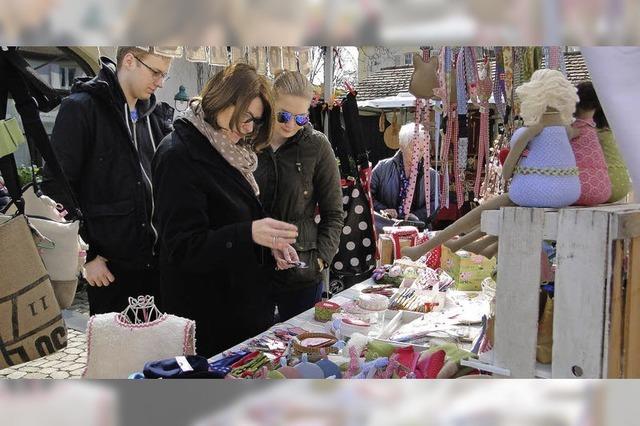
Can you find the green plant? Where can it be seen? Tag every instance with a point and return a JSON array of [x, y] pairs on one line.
[[26, 175]]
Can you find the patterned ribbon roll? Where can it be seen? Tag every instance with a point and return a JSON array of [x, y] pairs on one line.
[[445, 79]]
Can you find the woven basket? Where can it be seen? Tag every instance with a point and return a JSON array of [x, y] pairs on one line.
[[316, 351]]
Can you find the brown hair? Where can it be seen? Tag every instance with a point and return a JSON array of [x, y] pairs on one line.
[[136, 51], [237, 85], [292, 83]]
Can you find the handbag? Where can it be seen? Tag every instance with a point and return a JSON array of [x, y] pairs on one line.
[[31, 324], [62, 249]]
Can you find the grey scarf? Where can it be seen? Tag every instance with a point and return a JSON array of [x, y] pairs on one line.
[[240, 155]]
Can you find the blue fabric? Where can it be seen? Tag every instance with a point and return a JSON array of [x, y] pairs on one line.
[[170, 369]]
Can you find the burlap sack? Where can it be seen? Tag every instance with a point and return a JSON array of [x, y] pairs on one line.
[[31, 324]]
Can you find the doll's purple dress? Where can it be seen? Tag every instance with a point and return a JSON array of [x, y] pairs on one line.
[[546, 174]]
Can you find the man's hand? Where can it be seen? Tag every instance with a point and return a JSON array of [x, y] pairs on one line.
[[96, 272], [391, 213]]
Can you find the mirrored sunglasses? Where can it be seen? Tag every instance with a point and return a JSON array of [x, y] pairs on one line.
[[285, 116]]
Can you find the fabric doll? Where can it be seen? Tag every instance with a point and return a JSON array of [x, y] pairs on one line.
[[618, 173], [594, 178], [540, 161]]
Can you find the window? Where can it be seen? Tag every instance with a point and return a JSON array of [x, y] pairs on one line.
[[408, 58], [67, 74]]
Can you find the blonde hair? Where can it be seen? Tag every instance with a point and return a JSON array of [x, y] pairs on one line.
[[406, 134], [292, 83], [139, 52], [547, 89]]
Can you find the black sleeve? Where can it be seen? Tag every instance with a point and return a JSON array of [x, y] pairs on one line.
[[69, 140], [183, 222], [376, 187]]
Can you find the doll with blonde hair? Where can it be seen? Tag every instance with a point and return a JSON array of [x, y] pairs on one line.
[[540, 162]]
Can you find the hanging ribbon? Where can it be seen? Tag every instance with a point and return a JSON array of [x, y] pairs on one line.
[[453, 129], [444, 77], [501, 78], [485, 87], [420, 146]]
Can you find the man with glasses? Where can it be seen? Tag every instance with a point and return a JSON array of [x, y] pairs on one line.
[[105, 136]]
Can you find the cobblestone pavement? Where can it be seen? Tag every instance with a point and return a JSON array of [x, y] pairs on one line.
[[68, 363]]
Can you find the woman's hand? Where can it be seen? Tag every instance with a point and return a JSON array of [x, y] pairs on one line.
[[286, 258], [273, 233]]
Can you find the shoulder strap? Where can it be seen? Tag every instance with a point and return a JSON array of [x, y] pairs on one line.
[[37, 137]]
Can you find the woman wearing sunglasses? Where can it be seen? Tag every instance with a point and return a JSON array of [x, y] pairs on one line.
[[298, 173], [216, 246]]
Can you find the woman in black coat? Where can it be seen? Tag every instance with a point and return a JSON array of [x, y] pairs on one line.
[[215, 244]]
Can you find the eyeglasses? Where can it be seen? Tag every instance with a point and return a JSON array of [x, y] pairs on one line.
[[257, 122], [157, 74], [285, 116]]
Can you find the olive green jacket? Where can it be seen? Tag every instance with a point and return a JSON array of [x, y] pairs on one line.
[[300, 175]]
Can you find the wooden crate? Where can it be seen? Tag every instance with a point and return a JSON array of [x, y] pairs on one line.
[[596, 330]]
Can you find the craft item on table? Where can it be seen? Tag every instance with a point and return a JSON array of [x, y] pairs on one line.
[[248, 366], [275, 375], [385, 289], [180, 367], [369, 369], [432, 279], [358, 341], [354, 364], [429, 366], [330, 369], [378, 349], [416, 300], [381, 275], [372, 302], [222, 367], [618, 173], [595, 185], [355, 311], [121, 343], [348, 325], [467, 269], [312, 344], [324, 310], [309, 370], [289, 372], [407, 358]]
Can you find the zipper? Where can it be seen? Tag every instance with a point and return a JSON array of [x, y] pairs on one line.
[[144, 173]]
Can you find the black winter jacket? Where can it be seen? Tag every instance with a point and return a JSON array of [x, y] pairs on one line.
[[300, 175], [211, 270], [107, 159]]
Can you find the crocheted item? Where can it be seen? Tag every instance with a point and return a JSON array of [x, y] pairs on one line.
[[549, 149], [618, 173], [116, 348], [594, 177], [546, 171], [324, 310]]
